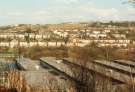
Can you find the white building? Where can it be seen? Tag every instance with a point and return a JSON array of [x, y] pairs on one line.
[[119, 36]]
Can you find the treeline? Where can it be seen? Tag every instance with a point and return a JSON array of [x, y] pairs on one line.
[[113, 23], [91, 52]]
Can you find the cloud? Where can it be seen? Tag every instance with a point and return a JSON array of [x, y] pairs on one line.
[[101, 12], [69, 10], [68, 1], [131, 10], [91, 8], [15, 14]]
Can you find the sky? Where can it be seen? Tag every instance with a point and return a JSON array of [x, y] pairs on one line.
[[58, 11]]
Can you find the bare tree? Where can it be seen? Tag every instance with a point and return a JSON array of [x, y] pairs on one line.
[[85, 78], [88, 80], [132, 2]]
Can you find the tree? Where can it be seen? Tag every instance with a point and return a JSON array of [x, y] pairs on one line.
[[66, 39], [132, 2], [9, 40], [28, 31], [91, 81], [85, 78]]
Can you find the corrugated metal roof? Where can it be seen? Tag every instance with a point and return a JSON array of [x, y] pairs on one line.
[[116, 66], [125, 62]]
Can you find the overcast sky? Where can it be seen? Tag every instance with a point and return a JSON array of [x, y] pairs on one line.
[[57, 11]]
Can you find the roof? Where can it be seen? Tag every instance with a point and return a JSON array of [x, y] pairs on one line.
[[39, 77], [125, 62], [3, 65], [109, 69], [116, 66]]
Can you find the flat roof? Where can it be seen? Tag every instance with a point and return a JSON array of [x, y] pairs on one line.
[[110, 69], [29, 64], [42, 77], [57, 64], [125, 62], [116, 66]]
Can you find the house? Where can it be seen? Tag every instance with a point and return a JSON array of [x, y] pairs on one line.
[[14, 43], [119, 36], [93, 35], [96, 32], [21, 36], [32, 35], [24, 44], [107, 31], [31, 44], [39, 36], [3, 35], [4, 44], [112, 45]]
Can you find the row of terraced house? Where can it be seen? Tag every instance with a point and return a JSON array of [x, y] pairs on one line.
[[75, 42], [67, 38]]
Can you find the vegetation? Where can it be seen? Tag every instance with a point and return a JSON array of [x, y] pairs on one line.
[[89, 80], [93, 52]]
